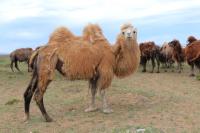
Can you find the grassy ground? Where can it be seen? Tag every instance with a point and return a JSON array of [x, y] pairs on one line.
[[160, 103]]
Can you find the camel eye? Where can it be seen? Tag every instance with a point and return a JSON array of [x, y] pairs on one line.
[[134, 32], [123, 33]]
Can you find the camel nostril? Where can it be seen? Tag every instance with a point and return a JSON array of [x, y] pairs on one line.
[[128, 34]]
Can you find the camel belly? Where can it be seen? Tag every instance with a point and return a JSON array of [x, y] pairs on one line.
[[79, 61], [78, 71], [79, 67]]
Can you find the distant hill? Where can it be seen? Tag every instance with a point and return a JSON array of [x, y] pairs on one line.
[[2, 54]]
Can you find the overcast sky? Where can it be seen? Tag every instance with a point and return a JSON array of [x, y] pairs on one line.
[[28, 23]]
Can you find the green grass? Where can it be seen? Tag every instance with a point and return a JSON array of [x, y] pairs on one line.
[[13, 101], [198, 77], [159, 103]]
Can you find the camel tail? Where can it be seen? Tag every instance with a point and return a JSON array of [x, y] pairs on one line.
[[33, 58]]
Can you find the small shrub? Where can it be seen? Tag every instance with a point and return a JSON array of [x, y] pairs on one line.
[[11, 102]]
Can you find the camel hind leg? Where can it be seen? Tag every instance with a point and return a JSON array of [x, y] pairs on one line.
[[16, 66], [28, 94], [93, 88], [39, 93], [158, 64], [191, 69], [153, 64], [143, 62]]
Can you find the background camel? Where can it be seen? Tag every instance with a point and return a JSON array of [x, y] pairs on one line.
[[191, 39], [192, 54], [167, 52], [20, 55], [178, 53], [93, 60], [149, 51]]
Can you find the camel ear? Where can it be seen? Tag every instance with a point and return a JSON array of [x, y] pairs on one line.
[[136, 30]]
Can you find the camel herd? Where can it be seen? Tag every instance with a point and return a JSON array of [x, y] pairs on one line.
[[171, 52], [91, 57]]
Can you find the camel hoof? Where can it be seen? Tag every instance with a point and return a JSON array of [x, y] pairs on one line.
[[165, 70], [158, 72], [192, 75], [26, 118], [49, 119], [30, 70], [91, 109], [107, 111], [143, 71]]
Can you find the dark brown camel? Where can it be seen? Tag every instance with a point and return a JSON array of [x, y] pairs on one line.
[[20, 55]]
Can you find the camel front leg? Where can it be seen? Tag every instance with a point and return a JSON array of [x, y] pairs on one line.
[[179, 67], [11, 66], [153, 64], [106, 108], [143, 62], [192, 69], [158, 65], [92, 106]]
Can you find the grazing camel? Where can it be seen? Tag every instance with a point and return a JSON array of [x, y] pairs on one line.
[[90, 58], [20, 55]]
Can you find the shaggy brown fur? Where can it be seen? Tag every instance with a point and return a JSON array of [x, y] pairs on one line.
[[149, 51], [32, 57], [192, 55], [93, 33], [79, 60], [167, 52], [61, 35], [20, 55], [178, 53]]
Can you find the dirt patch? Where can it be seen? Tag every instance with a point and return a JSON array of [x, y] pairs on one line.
[[167, 102]]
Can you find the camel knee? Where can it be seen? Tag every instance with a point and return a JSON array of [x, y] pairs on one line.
[[38, 96]]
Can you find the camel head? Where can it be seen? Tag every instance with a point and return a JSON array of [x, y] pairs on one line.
[[92, 32], [126, 51], [191, 39], [164, 47], [129, 32], [175, 44]]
